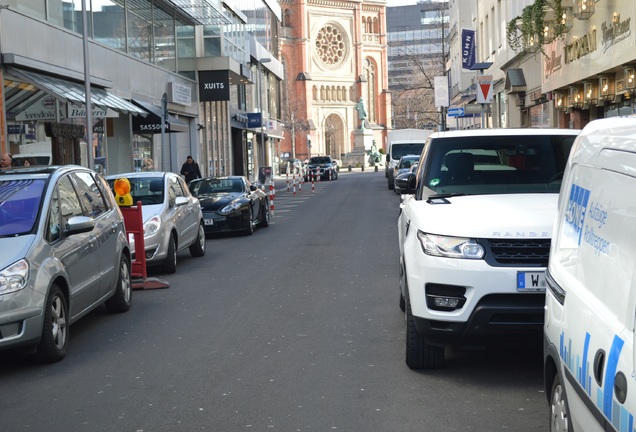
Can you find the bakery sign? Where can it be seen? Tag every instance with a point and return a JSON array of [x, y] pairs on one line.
[[44, 109]]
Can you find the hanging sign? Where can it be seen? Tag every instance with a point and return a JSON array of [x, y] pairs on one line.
[[484, 89]]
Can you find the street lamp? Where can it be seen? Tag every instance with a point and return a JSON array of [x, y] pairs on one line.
[[260, 103]]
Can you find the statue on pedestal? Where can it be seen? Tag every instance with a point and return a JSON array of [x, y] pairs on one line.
[[362, 113]]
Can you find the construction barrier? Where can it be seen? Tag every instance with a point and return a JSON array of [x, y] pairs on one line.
[[134, 224], [272, 196]]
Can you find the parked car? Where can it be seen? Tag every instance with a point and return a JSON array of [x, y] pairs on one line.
[[63, 252], [172, 217], [231, 204], [402, 180], [589, 325], [322, 167], [474, 238], [404, 165], [293, 164]]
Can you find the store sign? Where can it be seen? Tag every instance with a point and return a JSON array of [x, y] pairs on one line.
[[254, 120], [468, 49], [180, 94], [214, 86], [78, 112]]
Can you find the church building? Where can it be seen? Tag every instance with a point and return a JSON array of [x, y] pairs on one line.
[[335, 97]]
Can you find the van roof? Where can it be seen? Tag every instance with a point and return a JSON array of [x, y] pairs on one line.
[[618, 133]]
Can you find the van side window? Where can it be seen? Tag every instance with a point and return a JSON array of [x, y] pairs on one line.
[[69, 202], [90, 195]]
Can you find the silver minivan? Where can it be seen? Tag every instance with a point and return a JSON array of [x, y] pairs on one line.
[[63, 252]]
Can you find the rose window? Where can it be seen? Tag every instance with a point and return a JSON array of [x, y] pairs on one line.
[[330, 44]]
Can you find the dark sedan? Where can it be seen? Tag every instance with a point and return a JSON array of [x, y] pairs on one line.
[[231, 204]]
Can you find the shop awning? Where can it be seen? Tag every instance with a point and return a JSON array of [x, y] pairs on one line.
[[152, 122], [515, 81], [73, 92]]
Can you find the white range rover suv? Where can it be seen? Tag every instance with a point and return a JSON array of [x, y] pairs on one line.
[[474, 235]]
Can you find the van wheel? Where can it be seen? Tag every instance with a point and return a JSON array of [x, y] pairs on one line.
[[390, 183], [419, 354], [54, 341], [122, 299], [559, 415]]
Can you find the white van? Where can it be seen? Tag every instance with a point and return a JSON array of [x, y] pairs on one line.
[[590, 314], [402, 142]]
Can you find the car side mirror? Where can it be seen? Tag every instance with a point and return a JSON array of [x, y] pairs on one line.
[[388, 158], [411, 183], [79, 224]]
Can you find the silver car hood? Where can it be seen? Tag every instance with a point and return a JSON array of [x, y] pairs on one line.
[[14, 249]]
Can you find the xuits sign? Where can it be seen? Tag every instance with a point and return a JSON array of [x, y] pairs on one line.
[[214, 86]]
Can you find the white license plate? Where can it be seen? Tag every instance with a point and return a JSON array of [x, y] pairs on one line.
[[209, 221], [531, 281]]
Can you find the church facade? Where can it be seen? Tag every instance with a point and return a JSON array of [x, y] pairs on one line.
[[335, 96]]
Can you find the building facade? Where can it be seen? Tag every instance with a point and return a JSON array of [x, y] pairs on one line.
[[418, 50], [334, 57], [564, 79], [153, 100]]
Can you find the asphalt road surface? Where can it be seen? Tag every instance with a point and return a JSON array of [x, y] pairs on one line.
[[295, 328]]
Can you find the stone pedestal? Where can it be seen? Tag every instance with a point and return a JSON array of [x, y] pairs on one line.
[[362, 142]]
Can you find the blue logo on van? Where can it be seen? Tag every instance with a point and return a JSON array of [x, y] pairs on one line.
[[575, 214]]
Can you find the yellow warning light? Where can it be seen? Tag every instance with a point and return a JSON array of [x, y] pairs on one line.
[[122, 192]]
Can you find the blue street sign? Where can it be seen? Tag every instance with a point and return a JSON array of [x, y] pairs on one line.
[[455, 112]]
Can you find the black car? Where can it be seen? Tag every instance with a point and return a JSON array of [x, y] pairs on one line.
[[231, 203], [323, 167]]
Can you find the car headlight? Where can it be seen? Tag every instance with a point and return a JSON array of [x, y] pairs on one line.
[[450, 247], [14, 277], [152, 226], [231, 207]]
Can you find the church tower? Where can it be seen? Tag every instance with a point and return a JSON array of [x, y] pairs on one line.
[[334, 52]]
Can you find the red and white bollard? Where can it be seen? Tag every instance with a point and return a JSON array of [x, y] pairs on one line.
[[272, 196], [287, 179]]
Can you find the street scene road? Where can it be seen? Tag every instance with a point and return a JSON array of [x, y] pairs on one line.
[[294, 328]]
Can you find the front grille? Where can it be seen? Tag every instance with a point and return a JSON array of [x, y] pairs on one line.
[[517, 252]]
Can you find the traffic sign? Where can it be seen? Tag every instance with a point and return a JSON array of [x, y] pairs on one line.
[[456, 112], [484, 89]]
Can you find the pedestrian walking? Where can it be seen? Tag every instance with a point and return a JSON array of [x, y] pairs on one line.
[[190, 170]]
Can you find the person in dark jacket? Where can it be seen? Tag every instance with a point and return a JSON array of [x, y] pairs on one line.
[[190, 170]]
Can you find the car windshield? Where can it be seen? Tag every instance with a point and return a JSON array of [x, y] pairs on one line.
[[319, 160], [497, 164], [217, 185], [148, 190], [19, 205], [407, 162]]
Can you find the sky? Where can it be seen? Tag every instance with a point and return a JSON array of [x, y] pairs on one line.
[[400, 2]]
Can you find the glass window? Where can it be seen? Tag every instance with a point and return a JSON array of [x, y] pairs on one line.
[[90, 195], [109, 22], [165, 52], [139, 14], [69, 202]]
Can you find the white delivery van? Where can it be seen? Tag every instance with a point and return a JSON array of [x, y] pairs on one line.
[[590, 318], [402, 142]]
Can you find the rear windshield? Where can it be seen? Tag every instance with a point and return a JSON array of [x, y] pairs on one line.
[[496, 164], [399, 150]]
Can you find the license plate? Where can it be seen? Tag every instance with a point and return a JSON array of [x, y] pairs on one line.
[[531, 281], [209, 221]]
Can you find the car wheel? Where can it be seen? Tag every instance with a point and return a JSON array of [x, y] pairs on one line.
[[170, 263], [390, 183], [54, 341], [249, 229], [334, 175], [559, 415], [265, 215], [197, 249], [402, 282], [419, 354], [122, 299]]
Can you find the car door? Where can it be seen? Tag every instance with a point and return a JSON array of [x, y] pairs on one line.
[[186, 216], [76, 252], [107, 227]]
